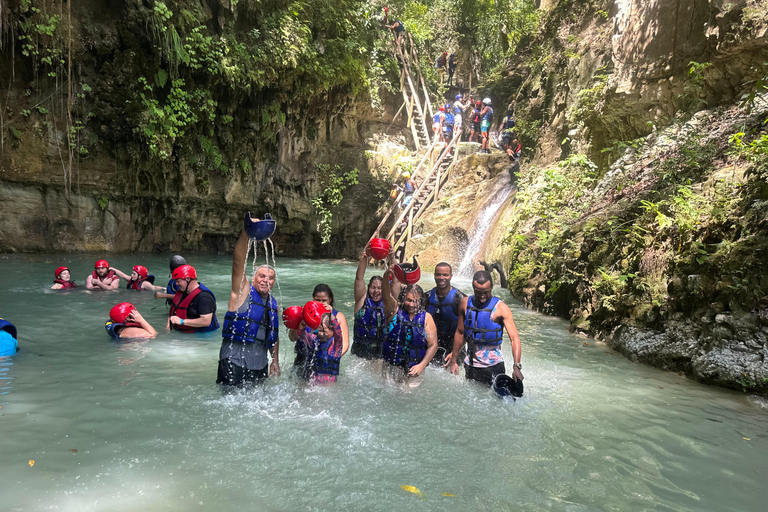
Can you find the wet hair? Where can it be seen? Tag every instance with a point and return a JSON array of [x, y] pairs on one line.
[[445, 264], [416, 290], [267, 267], [482, 277], [370, 282], [324, 288]]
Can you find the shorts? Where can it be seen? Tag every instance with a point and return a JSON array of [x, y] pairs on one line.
[[484, 125], [473, 127], [483, 375], [366, 351], [232, 375]]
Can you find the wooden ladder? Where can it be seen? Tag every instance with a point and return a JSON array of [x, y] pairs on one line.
[[419, 115]]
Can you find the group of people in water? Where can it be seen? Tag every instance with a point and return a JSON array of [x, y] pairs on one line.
[[398, 327]]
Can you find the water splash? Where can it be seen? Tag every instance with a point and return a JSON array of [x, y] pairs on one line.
[[483, 223]]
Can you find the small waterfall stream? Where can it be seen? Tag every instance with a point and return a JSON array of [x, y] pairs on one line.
[[501, 191]]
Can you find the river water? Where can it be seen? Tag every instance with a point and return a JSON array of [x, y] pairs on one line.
[[142, 426]]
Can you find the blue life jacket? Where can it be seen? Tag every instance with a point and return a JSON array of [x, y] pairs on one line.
[[254, 325], [509, 124], [172, 288], [449, 120], [369, 329], [436, 119], [136, 285], [446, 320], [488, 115], [457, 111], [406, 344], [113, 328], [478, 327], [317, 359], [8, 327]]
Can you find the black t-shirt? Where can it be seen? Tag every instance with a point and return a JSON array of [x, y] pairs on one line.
[[203, 304]]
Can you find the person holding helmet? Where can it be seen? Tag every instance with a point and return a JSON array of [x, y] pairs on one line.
[[444, 301], [140, 279], [62, 279], [194, 306], [125, 321], [319, 344], [102, 278], [251, 324], [482, 321], [486, 116], [8, 338], [411, 337], [171, 288]]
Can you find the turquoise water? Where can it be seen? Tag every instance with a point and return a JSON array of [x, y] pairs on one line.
[[142, 426]]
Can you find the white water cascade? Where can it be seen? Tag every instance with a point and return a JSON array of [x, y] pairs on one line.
[[501, 191]]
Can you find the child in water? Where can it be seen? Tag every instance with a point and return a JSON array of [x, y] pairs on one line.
[[318, 352]]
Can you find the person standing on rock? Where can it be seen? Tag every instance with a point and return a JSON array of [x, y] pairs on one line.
[[102, 278], [458, 114], [251, 325], [444, 301], [486, 117], [474, 122], [481, 324]]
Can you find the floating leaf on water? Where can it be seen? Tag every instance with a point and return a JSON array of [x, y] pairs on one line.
[[73, 450], [449, 494], [746, 438], [586, 344], [414, 490], [31, 462]]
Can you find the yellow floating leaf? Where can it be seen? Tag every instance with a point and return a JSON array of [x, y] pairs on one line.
[[746, 439], [414, 490], [449, 494], [31, 463]]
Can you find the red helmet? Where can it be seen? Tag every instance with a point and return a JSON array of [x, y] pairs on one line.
[[386, 9], [59, 271], [101, 263], [293, 316], [184, 272], [141, 270], [120, 312], [379, 248], [313, 313], [442, 109], [408, 273]]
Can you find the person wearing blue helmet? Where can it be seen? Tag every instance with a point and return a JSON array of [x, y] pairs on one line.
[[448, 124], [458, 114]]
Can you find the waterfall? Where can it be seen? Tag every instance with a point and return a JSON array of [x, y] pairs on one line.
[[501, 191]]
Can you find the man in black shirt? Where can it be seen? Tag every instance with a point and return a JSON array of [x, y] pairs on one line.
[[194, 306]]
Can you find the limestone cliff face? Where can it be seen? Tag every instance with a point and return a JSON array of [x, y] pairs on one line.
[[261, 152], [635, 217]]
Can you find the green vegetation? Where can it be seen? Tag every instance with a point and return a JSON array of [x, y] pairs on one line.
[[333, 182]]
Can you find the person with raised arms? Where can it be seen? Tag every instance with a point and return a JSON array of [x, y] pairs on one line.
[[368, 329], [194, 306], [444, 301], [102, 278], [319, 343], [482, 321], [140, 279], [125, 321], [251, 324], [63, 279], [411, 339]]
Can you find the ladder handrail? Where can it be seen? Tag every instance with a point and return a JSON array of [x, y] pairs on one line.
[[407, 72], [400, 195], [425, 204], [421, 77], [418, 191]]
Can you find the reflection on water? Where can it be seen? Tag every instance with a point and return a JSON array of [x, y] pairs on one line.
[[142, 426]]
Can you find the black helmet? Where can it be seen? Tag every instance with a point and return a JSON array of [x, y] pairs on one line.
[[177, 261]]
